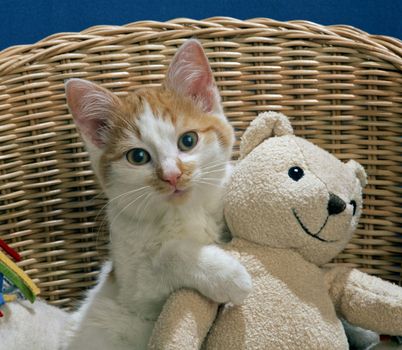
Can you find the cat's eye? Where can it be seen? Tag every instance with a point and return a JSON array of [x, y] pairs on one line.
[[138, 156], [295, 173], [187, 141]]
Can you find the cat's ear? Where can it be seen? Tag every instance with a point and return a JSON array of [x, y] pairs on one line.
[[190, 75], [92, 107]]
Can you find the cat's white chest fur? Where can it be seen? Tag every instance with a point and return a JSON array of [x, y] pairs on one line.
[[143, 285], [149, 261]]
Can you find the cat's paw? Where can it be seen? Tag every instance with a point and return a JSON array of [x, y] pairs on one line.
[[228, 281]]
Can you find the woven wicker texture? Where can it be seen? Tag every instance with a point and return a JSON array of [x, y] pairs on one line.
[[341, 87]]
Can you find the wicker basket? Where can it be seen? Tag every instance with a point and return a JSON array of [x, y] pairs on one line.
[[341, 87]]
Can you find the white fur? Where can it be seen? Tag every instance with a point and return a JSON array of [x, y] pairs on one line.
[[158, 246], [37, 326]]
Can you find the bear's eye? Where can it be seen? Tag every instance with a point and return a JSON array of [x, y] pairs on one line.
[[295, 173], [353, 203]]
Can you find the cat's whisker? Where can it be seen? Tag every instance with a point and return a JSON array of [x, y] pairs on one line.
[[97, 215], [98, 195], [145, 206], [220, 164], [202, 178], [117, 197], [127, 206], [140, 205], [104, 220], [216, 162], [130, 192], [125, 194], [207, 183], [138, 210], [221, 161], [213, 171]]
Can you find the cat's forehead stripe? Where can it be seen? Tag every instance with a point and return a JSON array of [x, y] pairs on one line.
[[180, 112], [162, 104]]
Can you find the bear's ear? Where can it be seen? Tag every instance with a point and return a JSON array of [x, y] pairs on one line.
[[359, 171], [266, 125]]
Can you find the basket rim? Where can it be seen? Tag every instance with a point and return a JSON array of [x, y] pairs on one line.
[[386, 48]]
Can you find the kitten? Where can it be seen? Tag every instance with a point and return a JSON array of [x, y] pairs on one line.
[[162, 158]]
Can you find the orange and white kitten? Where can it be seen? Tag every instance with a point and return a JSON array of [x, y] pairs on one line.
[[162, 157]]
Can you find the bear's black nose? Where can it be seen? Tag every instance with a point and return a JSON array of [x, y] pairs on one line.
[[335, 204]]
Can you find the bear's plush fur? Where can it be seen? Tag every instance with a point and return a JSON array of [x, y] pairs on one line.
[[291, 207]]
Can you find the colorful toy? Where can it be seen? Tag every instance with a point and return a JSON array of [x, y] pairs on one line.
[[14, 282]]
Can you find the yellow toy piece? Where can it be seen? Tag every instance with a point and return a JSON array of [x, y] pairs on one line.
[[17, 277], [9, 298]]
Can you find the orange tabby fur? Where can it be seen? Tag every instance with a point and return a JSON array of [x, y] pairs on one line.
[[164, 103]]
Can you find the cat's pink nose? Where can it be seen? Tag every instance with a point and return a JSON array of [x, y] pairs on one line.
[[172, 177]]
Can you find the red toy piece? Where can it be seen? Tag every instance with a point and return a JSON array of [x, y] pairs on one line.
[[10, 251]]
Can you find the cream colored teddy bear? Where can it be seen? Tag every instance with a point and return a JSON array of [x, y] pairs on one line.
[[291, 207]]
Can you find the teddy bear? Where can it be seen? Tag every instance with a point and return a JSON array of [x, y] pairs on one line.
[[291, 207]]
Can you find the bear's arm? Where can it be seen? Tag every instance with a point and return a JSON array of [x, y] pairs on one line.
[[184, 322], [365, 300]]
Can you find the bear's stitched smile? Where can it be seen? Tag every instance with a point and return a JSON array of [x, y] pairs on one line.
[[305, 229]]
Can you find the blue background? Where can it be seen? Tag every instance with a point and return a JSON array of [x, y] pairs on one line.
[[27, 21]]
